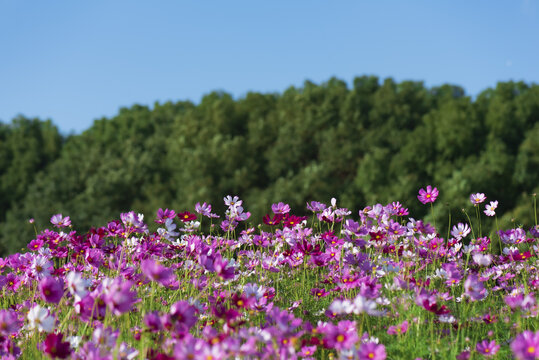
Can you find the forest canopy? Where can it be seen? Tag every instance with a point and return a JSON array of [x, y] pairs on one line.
[[371, 142]]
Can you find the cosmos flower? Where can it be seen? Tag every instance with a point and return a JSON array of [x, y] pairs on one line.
[[9, 324], [55, 347], [40, 318], [51, 289], [526, 345], [119, 297], [398, 329], [59, 221], [489, 208], [428, 196], [187, 216], [162, 215], [460, 231], [372, 351], [157, 272], [76, 284], [280, 208], [205, 210], [477, 199], [487, 348]]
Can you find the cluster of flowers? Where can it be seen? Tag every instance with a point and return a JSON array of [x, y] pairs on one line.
[[179, 293]]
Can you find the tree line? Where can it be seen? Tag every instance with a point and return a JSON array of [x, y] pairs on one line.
[[375, 141]]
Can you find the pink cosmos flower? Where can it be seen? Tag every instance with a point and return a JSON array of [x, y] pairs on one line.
[[157, 272], [119, 297], [487, 348], [372, 351], [428, 196], [205, 210], [162, 215], [9, 324], [59, 221], [399, 329], [280, 208], [526, 345], [489, 209], [477, 199]]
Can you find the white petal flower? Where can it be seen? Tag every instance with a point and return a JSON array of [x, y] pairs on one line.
[[40, 318]]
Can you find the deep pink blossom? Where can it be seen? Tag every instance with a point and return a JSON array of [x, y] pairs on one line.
[[428, 196], [487, 348], [55, 347], [51, 289]]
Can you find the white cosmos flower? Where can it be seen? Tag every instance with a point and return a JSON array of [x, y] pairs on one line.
[[482, 259], [77, 284], [338, 307], [364, 305], [40, 318]]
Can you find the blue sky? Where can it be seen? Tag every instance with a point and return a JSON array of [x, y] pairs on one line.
[[74, 61]]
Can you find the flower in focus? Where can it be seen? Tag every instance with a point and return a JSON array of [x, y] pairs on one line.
[[59, 221], [187, 216], [478, 198], [487, 348], [460, 231], [232, 201], [280, 208], [55, 347], [272, 221], [162, 215], [428, 196], [205, 210], [489, 208], [526, 345]]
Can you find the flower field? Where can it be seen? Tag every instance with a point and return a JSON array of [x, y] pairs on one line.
[[373, 284]]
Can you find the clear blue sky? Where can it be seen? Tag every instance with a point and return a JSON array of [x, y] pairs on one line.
[[76, 61]]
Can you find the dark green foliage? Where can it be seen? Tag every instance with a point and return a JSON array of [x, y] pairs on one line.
[[378, 141]]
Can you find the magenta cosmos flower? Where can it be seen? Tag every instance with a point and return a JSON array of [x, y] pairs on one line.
[[487, 348], [9, 323], [55, 347], [526, 346], [372, 351], [428, 196], [51, 290], [157, 272]]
